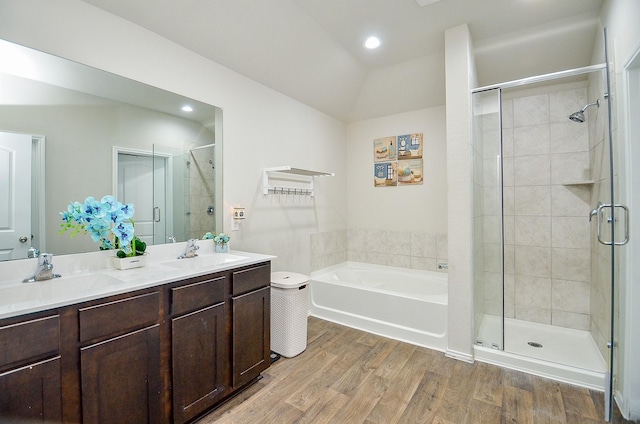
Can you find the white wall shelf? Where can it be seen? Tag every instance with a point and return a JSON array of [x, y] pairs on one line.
[[289, 180]]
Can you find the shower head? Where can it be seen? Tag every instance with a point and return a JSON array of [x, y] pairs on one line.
[[579, 115]]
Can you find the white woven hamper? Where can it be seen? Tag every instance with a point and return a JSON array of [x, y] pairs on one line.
[[289, 308]]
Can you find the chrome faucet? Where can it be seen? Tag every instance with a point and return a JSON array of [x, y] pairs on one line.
[[171, 239], [190, 250], [33, 252], [44, 271]]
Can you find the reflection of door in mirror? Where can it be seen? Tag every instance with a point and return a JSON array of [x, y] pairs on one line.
[[142, 182], [15, 195]]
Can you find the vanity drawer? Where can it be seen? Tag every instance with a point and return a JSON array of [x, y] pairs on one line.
[[112, 318], [197, 295], [251, 279], [28, 340]]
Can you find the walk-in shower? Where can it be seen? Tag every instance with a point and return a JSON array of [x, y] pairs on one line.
[[200, 190], [542, 276]]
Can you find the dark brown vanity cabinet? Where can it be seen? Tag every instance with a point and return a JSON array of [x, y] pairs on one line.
[[251, 300], [165, 354], [120, 361], [199, 346], [30, 382]]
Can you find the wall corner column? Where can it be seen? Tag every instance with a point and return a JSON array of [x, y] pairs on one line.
[[460, 79]]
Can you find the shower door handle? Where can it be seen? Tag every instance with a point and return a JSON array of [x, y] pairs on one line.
[[610, 221]]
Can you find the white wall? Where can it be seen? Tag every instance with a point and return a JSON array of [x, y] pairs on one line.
[[402, 208], [404, 87], [261, 127]]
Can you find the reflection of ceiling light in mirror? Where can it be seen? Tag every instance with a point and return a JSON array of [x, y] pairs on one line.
[[372, 43], [16, 62], [426, 2], [187, 108]]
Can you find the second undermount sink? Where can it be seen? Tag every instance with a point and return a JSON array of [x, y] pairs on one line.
[[205, 261]]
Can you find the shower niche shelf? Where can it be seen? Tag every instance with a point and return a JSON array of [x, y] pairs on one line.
[[289, 180], [575, 183]]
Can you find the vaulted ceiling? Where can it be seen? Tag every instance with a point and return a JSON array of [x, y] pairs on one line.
[[311, 50]]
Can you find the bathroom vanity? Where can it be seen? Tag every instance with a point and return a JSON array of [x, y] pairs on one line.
[[159, 344]]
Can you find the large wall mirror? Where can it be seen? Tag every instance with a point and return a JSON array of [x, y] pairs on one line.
[[69, 131]]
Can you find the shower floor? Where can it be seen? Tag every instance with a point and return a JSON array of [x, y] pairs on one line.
[[564, 346]]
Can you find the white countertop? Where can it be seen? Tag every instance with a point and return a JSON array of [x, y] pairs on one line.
[[90, 276]]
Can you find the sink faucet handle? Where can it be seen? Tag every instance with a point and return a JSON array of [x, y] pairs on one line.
[[190, 249], [45, 260], [172, 239], [33, 252]]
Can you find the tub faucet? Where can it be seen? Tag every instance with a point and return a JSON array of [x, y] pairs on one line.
[[44, 271], [190, 250]]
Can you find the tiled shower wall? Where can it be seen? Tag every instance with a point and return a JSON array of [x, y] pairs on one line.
[[546, 205], [406, 249], [600, 254], [200, 191]]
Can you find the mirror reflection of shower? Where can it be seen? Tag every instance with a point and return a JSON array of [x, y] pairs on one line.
[[200, 181], [579, 115]]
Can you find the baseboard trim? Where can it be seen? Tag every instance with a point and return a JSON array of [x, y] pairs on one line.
[[460, 356]]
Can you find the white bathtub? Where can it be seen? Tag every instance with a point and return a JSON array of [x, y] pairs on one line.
[[402, 304]]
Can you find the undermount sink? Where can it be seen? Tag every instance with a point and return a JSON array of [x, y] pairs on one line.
[[204, 261], [55, 289]]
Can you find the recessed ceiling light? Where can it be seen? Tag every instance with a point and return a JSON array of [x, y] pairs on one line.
[[426, 2], [187, 108], [372, 43]]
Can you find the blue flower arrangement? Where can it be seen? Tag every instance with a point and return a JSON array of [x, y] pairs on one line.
[[221, 238], [107, 221]]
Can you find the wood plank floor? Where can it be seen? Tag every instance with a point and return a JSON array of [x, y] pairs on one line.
[[349, 376]]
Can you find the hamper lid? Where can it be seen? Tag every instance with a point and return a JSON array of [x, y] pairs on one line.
[[288, 280]]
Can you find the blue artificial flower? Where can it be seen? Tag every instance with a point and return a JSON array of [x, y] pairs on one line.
[[110, 202], [127, 210], [107, 221], [115, 217], [124, 231], [66, 216], [75, 209], [106, 244], [98, 229]]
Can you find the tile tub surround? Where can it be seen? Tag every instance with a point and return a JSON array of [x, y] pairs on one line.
[[404, 249], [328, 248]]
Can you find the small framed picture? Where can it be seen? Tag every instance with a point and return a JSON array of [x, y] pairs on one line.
[[410, 172], [385, 174], [410, 146], [384, 149]]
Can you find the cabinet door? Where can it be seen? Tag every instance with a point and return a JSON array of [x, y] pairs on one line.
[[120, 379], [200, 363], [31, 394], [251, 335]]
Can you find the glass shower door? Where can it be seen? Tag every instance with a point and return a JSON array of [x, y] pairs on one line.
[[488, 220]]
